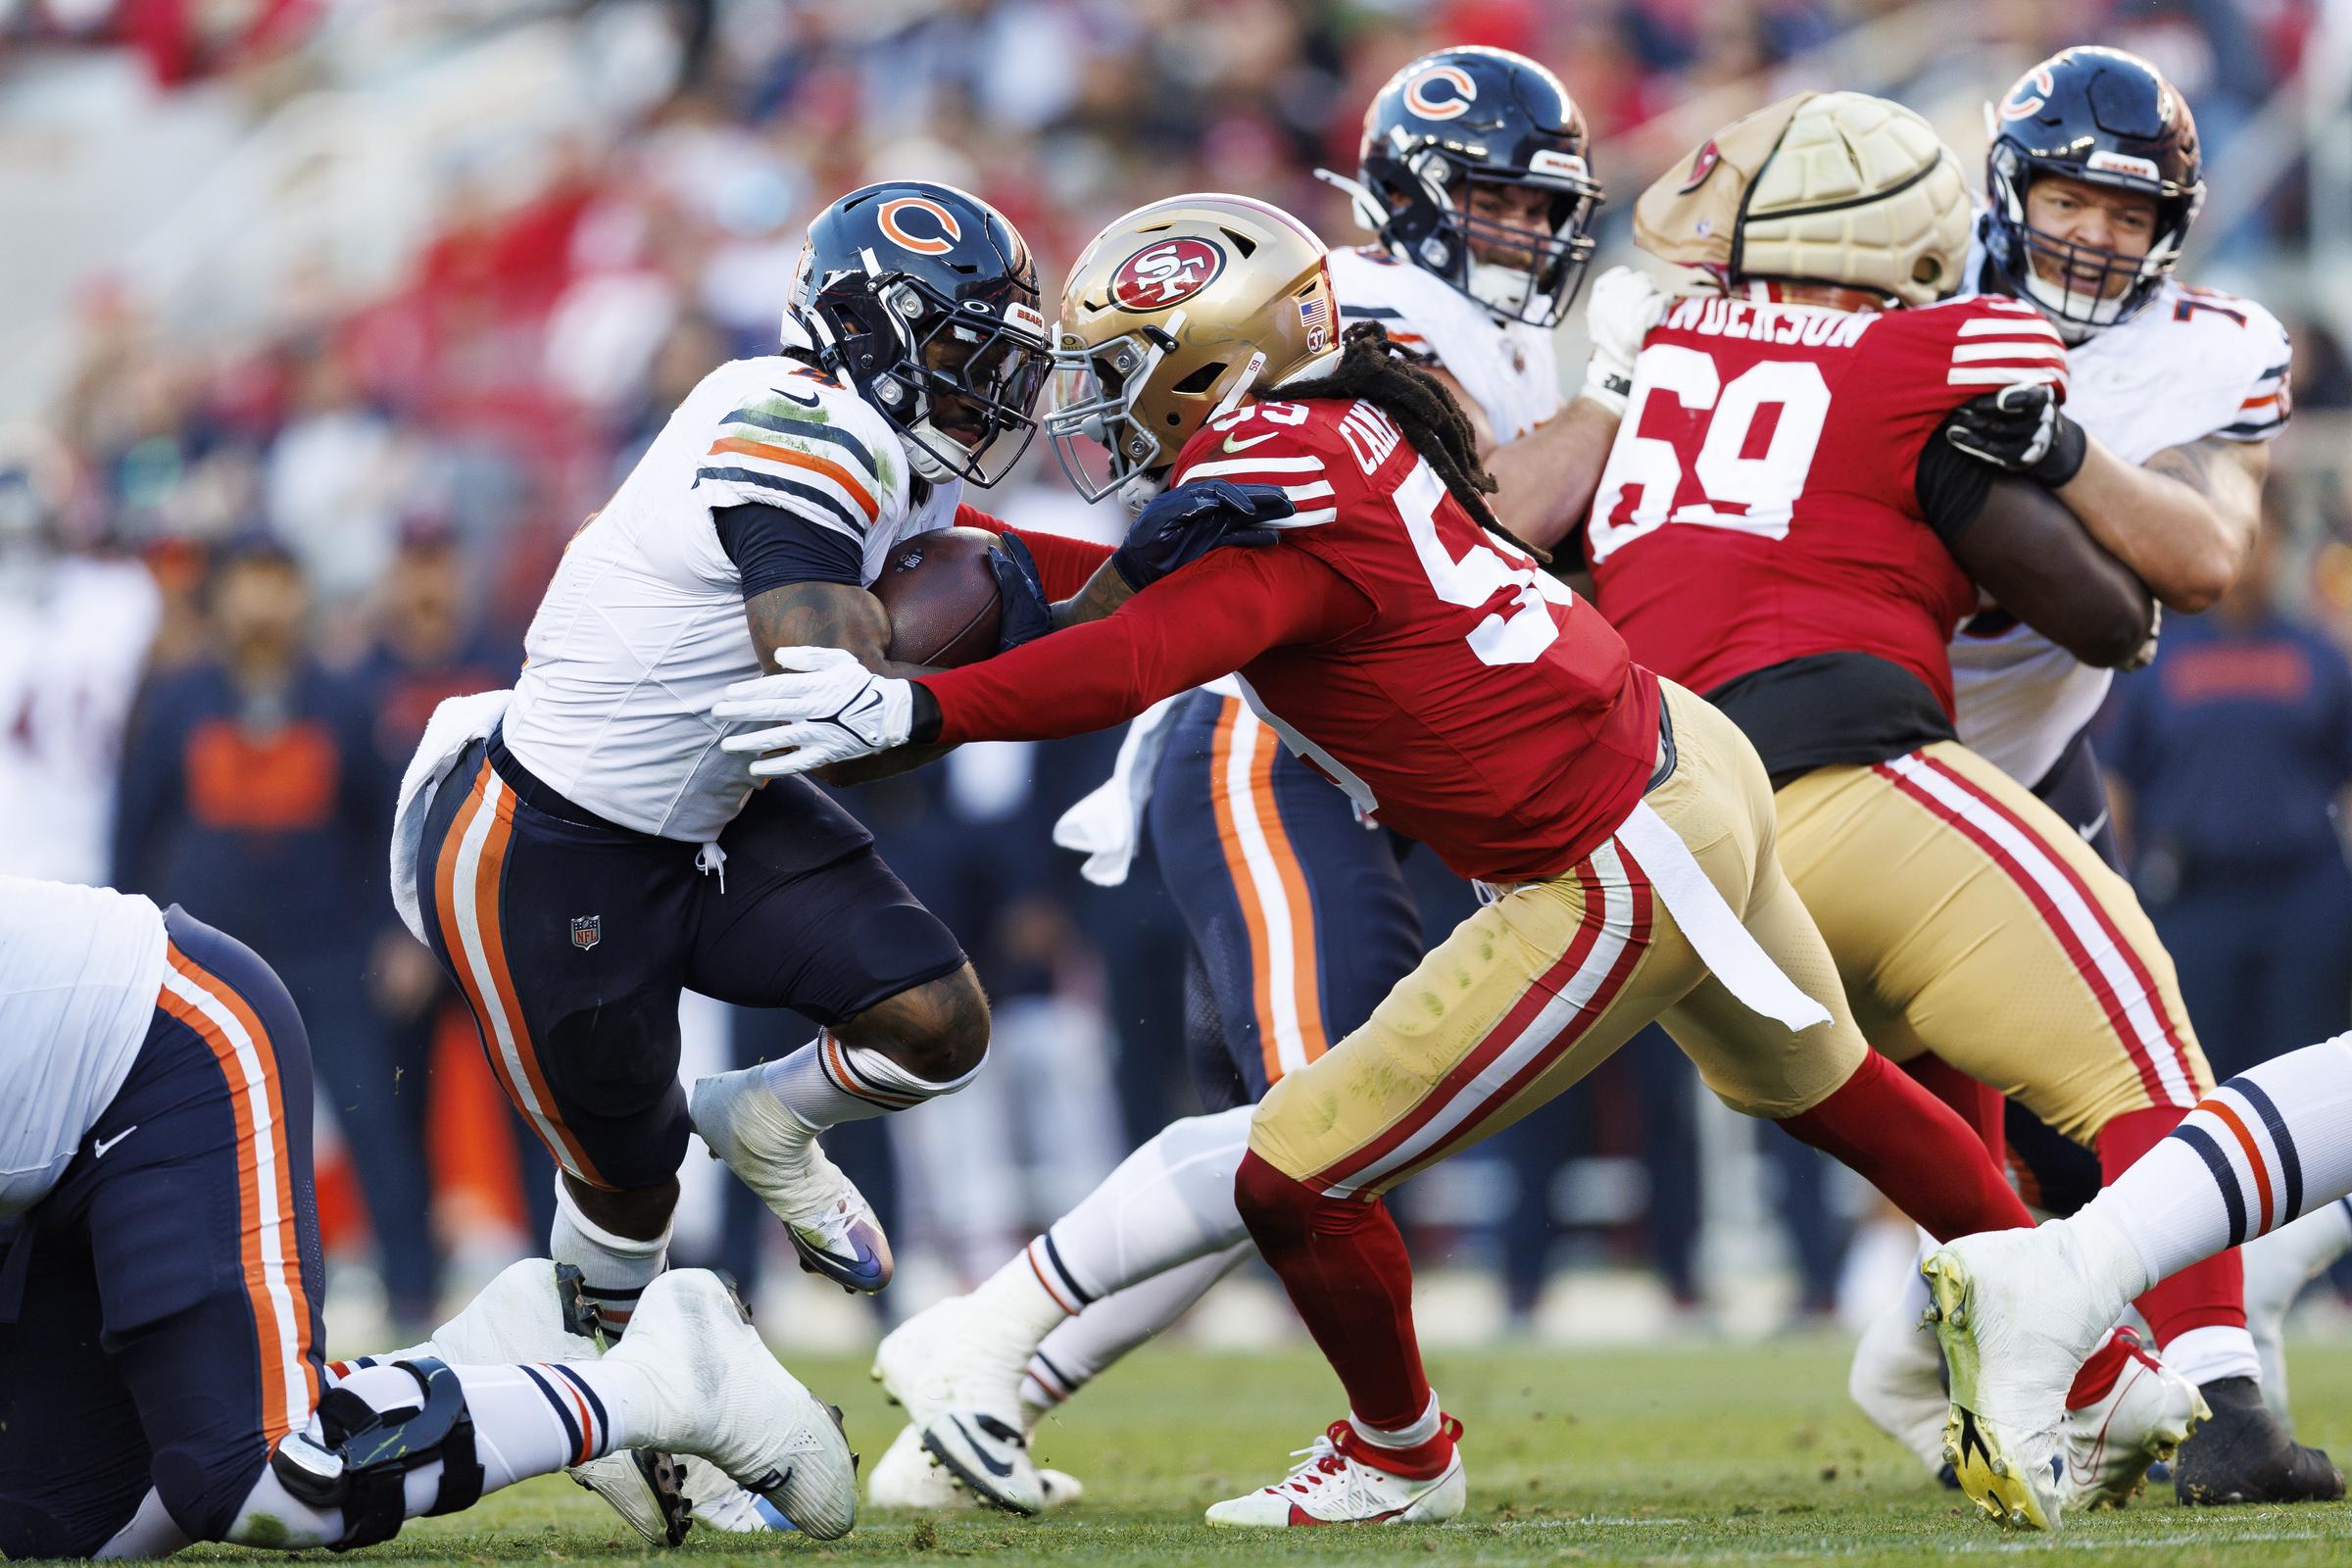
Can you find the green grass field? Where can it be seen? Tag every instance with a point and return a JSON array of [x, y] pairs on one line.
[[1713, 1454]]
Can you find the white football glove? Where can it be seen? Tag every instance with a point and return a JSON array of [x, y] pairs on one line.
[[1619, 312], [823, 706]]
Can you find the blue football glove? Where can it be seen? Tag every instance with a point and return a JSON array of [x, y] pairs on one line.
[[1026, 613], [1184, 523]]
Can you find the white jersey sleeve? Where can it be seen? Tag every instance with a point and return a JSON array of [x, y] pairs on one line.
[[806, 446], [2192, 362], [80, 972], [643, 626], [1509, 370]]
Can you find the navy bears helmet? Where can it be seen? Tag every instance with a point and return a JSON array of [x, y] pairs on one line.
[[2106, 118], [1458, 121], [924, 298]]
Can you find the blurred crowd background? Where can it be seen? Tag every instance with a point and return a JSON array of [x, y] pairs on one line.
[[334, 318]]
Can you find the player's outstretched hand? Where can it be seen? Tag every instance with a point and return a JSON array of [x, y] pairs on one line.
[[1025, 611], [821, 706], [1183, 525], [1624, 304], [2020, 430]]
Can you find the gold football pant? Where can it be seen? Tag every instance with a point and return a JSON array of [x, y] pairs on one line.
[[1535, 989], [1969, 919]]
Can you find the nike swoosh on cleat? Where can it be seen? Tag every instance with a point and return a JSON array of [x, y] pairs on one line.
[[995, 1467]]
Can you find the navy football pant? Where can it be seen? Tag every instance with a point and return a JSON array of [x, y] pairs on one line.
[[159, 1309], [571, 938], [1299, 918]]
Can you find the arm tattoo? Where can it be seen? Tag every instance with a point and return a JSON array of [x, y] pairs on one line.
[[823, 614], [1105, 591], [2191, 464]]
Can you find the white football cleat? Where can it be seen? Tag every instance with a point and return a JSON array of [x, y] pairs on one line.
[[533, 1312], [775, 1154], [1897, 1380], [958, 1370], [908, 1476], [716, 1389], [2018, 1312], [1334, 1485], [2111, 1442]]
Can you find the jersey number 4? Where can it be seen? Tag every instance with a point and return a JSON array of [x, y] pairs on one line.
[[1729, 483]]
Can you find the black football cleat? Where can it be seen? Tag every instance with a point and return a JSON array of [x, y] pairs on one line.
[[2242, 1454]]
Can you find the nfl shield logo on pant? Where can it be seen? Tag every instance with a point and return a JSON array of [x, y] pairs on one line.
[[587, 930]]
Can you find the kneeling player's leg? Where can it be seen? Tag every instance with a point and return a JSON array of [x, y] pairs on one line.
[[803, 913], [419, 1436], [72, 1458]]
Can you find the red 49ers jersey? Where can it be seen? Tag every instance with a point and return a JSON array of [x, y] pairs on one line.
[[1761, 503], [1482, 708]]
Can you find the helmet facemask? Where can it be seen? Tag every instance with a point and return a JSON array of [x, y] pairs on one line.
[[956, 381], [2095, 287], [1429, 223]]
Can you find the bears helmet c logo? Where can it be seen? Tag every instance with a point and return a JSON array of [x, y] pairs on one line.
[[1418, 98], [926, 215]]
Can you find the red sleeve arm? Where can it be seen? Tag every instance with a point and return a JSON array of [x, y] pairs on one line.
[[1063, 564], [1208, 619]]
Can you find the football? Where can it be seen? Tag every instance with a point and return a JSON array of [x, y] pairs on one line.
[[941, 598]]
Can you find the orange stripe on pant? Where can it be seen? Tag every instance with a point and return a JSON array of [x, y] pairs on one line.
[[1306, 990], [249, 1067], [1237, 868], [490, 989]]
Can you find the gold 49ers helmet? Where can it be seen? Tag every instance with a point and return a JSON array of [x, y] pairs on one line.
[[1170, 317], [1825, 187]]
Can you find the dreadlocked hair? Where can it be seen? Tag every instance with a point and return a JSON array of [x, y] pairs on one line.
[[1380, 372]]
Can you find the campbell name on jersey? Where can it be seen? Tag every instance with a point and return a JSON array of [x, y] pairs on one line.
[[643, 626], [1508, 368], [2191, 363]]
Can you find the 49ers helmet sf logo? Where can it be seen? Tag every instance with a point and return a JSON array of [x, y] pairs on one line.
[[1162, 275]]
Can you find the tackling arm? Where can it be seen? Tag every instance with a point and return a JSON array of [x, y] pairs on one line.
[[1545, 478], [2030, 554], [2185, 522]]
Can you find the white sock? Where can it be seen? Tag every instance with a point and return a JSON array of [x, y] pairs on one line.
[[1167, 1204], [528, 1420], [2267, 1146], [825, 1082], [1421, 1431], [614, 1269], [1085, 1346], [151, 1533], [2216, 1351]]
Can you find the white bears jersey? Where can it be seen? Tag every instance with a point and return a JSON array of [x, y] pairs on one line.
[[71, 647], [643, 626], [1510, 369], [80, 972], [2189, 363]]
